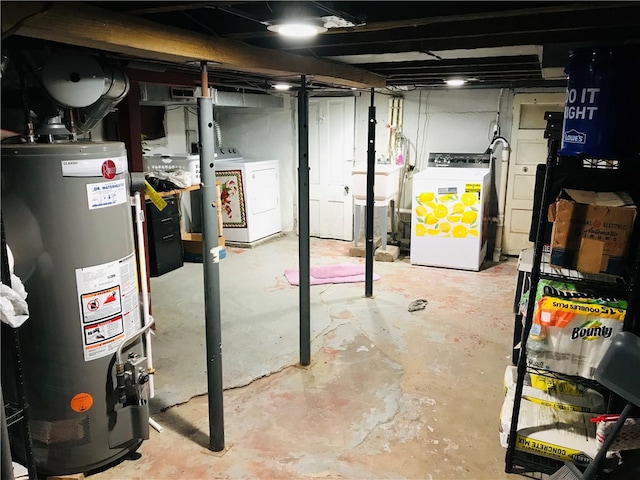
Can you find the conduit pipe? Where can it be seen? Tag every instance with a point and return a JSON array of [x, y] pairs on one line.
[[502, 193]]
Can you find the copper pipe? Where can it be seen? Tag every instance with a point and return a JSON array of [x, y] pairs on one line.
[[204, 80]]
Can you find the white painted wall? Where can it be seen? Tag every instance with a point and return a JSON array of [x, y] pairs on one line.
[[363, 102], [449, 121], [267, 134], [454, 120], [174, 127]]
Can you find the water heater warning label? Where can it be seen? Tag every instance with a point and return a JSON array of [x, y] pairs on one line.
[[81, 402], [108, 303], [101, 304]]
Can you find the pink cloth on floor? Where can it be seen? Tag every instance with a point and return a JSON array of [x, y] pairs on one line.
[[342, 273]]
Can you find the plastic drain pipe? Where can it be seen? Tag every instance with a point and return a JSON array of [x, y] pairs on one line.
[[142, 265], [502, 194]]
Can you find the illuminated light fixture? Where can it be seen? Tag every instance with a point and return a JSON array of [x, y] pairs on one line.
[[455, 82], [281, 86], [298, 28]]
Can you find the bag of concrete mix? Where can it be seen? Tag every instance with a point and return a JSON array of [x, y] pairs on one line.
[[563, 435], [554, 392]]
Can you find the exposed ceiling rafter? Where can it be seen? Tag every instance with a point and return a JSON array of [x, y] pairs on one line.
[[91, 27]]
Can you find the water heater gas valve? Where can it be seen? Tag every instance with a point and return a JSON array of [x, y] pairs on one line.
[[132, 378]]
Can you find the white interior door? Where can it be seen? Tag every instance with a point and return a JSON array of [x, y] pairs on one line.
[[528, 149], [331, 150]]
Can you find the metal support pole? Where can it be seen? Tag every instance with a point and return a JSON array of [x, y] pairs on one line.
[[371, 172], [210, 261], [303, 223]]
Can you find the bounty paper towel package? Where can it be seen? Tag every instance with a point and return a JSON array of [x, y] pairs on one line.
[[571, 332]]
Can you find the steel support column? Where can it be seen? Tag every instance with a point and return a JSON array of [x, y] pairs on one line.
[[303, 222]]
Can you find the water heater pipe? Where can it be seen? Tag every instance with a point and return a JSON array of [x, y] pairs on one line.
[[502, 194], [130, 339], [116, 88], [76, 80], [142, 265]]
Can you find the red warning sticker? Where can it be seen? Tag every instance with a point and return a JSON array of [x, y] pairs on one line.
[[81, 402], [108, 169], [101, 304]]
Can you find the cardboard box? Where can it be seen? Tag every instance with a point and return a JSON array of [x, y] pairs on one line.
[[591, 230], [192, 243]]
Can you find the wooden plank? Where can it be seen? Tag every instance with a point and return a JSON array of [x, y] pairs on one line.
[[73, 476], [83, 25], [179, 191]]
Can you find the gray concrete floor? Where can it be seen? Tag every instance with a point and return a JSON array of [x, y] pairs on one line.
[[389, 393]]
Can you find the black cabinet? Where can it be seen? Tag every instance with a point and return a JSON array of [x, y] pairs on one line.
[[165, 242]]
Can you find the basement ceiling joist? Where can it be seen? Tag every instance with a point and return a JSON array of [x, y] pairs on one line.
[[86, 26]]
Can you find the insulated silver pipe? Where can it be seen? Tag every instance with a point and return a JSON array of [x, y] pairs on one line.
[[116, 88]]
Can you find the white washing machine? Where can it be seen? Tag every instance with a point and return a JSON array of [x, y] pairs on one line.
[[450, 211], [250, 198]]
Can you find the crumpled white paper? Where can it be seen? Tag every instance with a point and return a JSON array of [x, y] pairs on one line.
[[14, 310]]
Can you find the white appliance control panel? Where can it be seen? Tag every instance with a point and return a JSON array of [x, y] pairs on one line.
[[459, 160]]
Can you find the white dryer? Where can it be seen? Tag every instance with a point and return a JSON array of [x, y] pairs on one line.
[[250, 198], [450, 211]]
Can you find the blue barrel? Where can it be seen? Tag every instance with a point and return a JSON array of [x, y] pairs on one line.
[[603, 103]]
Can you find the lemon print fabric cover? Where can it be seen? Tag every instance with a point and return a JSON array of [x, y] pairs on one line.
[[449, 215]]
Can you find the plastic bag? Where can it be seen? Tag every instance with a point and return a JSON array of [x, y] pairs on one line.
[[169, 179]]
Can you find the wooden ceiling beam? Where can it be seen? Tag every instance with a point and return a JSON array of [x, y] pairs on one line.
[[86, 26]]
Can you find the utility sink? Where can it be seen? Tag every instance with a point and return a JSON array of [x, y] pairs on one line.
[[386, 181]]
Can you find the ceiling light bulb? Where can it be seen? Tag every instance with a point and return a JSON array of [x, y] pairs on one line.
[[297, 29], [455, 82], [281, 86]]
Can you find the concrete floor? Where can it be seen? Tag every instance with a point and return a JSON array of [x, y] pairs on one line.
[[389, 393]]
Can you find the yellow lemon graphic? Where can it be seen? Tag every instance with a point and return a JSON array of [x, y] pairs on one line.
[[441, 211], [459, 231], [421, 230], [431, 219], [473, 232], [431, 204], [469, 216], [426, 197], [421, 211], [454, 218], [446, 197], [445, 227], [433, 231], [469, 198], [458, 207]]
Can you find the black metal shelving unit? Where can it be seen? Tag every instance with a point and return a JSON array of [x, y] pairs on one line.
[[622, 287], [14, 395]]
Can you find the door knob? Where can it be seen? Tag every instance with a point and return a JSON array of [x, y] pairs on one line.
[[525, 169]]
